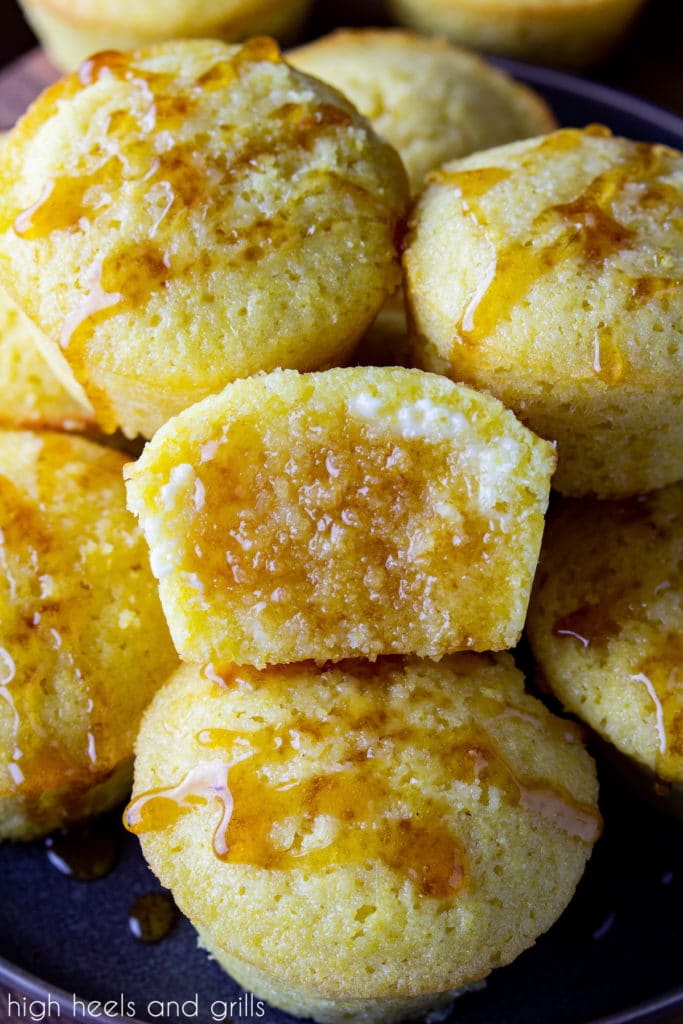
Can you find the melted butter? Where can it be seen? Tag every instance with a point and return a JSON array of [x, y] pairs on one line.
[[71, 202], [661, 673], [565, 141], [219, 76], [646, 288], [585, 228], [186, 173], [589, 225], [279, 811]]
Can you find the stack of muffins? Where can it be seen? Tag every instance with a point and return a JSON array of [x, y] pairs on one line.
[[345, 785]]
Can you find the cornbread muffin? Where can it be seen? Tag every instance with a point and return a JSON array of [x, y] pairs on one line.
[[352, 512], [567, 33], [32, 396], [550, 273], [606, 622], [431, 100], [71, 30], [83, 641], [356, 842], [189, 214]]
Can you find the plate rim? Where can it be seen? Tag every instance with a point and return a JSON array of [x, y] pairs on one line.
[[540, 77]]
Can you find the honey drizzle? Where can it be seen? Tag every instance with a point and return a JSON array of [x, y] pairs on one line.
[[278, 816], [152, 916], [661, 673], [178, 179], [588, 231], [85, 852]]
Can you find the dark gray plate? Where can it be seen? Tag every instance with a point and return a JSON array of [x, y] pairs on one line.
[[615, 957]]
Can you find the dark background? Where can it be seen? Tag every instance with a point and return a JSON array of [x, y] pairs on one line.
[[649, 64], [625, 922]]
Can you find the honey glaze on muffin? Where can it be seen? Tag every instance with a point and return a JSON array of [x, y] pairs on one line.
[[584, 228], [259, 788], [606, 622], [194, 226], [316, 822], [77, 606], [559, 292]]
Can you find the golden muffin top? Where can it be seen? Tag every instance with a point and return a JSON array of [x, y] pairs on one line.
[[364, 805], [177, 217], [351, 512], [606, 621], [83, 641], [433, 101], [551, 260]]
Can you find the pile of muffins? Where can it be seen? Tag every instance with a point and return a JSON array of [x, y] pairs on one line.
[[344, 784]]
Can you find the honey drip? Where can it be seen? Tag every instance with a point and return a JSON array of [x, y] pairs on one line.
[[152, 916], [105, 63], [471, 185], [661, 673], [258, 48], [585, 228], [608, 361], [85, 852], [276, 814]]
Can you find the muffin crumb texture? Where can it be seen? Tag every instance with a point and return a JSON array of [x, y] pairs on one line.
[[354, 512]]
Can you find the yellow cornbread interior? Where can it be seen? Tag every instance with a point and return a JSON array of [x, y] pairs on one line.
[[358, 511], [181, 216], [362, 831], [83, 641], [606, 622]]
